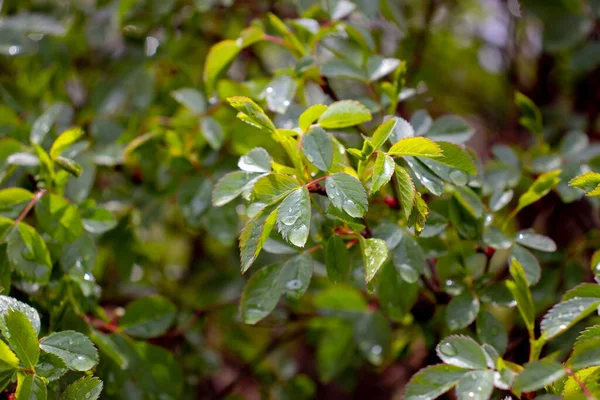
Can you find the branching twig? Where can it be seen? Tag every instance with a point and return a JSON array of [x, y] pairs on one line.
[[584, 388]]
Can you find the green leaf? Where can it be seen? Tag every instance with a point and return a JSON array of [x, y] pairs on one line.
[[536, 375], [336, 259], [295, 275], [271, 189], [232, 185], [378, 67], [528, 261], [148, 317], [98, 220], [416, 146], [59, 218], [9, 303], [419, 213], [261, 294], [461, 351], [256, 160], [8, 359], [343, 114], [191, 99], [476, 385], [347, 193], [531, 118], [109, 348], [455, 157], [586, 354], [50, 367], [390, 284], [13, 200], [193, 198], [492, 331], [373, 336], [69, 165], [338, 68], [32, 387], [565, 314], [212, 132], [255, 234], [140, 142], [406, 190], [21, 335], [588, 182], [334, 351], [42, 125], [318, 148], [382, 133], [539, 188], [251, 113], [519, 289], [28, 254], [374, 252], [462, 310], [431, 382], [87, 387], [64, 141], [308, 117], [408, 258], [280, 92], [382, 172], [451, 129], [469, 200], [219, 58], [293, 217], [74, 348], [500, 199]]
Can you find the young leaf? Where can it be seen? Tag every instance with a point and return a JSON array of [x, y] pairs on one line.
[[383, 171], [433, 381], [28, 254], [539, 188], [219, 58], [406, 190], [455, 157], [416, 146], [336, 259], [148, 317], [308, 117], [75, 349], [343, 114], [520, 292], [255, 234], [271, 189], [293, 217], [32, 387], [536, 375], [318, 148], [59, 218], [462, 310], [588, 182], [382, 133], [69, 165], [374, 252], [64, 141], [419, 213], [13, 200], [87, 387], [20, 334], [347, 193], [8, 359], [251, 113], [462, 351], [531, 118]]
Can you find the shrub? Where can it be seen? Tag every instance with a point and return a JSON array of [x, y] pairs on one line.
[[367, 237]]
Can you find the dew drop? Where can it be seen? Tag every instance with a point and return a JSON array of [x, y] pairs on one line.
[[448, 349], [294, 284]]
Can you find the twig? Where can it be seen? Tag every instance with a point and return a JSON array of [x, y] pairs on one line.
[[584, 388], [29, 206]]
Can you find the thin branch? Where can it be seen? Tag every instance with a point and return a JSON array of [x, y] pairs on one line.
[[29, 206], [584, 388]]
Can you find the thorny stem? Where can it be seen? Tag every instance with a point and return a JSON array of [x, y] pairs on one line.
[[29, 206]]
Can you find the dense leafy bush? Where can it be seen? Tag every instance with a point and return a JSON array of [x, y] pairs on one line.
[[134, 156]]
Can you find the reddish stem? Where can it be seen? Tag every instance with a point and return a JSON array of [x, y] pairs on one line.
[[29, 206]]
